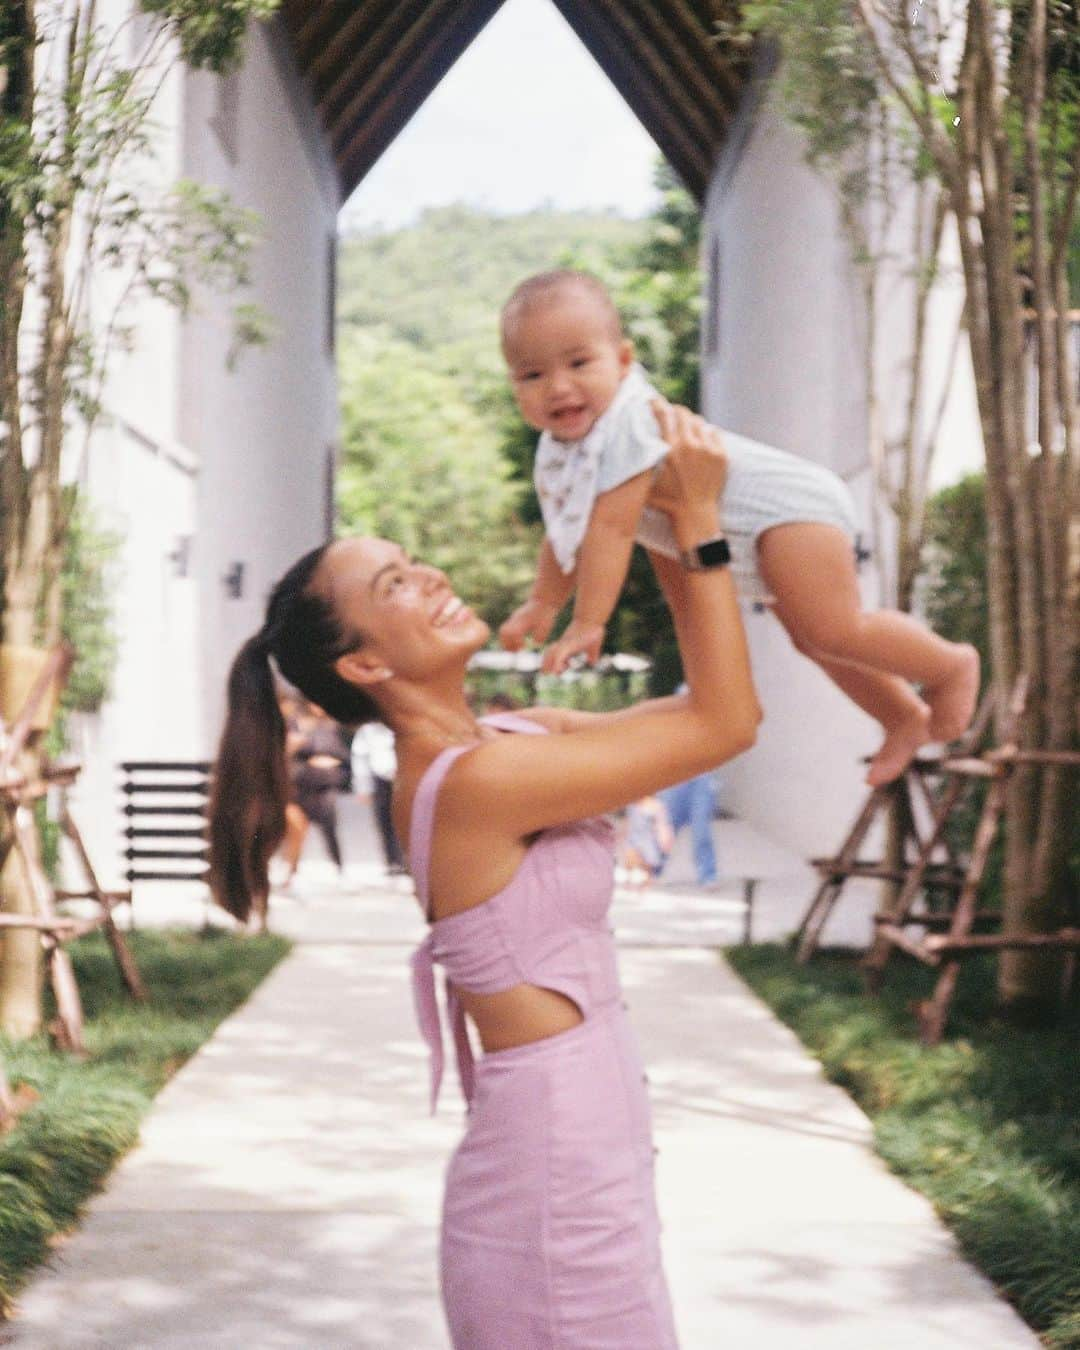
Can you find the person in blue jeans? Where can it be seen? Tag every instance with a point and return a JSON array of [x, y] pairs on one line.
[[692, 803]]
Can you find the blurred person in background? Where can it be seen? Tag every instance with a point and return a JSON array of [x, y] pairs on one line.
[[693, 803], [373, 754]]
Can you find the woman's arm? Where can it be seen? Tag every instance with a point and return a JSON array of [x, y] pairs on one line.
[[519, 784]]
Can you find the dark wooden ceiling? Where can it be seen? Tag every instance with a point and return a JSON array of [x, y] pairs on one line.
[[369, 64]]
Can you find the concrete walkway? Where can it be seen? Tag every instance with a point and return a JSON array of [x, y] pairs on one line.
[[287, 1186]]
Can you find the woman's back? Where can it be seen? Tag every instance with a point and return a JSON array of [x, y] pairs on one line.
[[546, 931]]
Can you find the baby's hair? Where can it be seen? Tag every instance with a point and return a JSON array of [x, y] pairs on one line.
[[539, 290]]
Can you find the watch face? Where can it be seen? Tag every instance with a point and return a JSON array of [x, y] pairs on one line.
[[714, 554]]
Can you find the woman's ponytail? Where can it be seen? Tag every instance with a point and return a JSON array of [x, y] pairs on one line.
[[247, 806]]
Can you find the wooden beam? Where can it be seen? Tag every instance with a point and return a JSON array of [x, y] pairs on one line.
[[680, 32], [321, 18], [411, 37], [936, 874], [380, 52], [708, 117], [692, 161], [1009, 754], [353, 36], [970, 767], [891, 933], [974, 942], [376, 126], [936, 920]]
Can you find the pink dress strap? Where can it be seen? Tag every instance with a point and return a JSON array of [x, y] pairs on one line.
[[425, 998], [508, 721]]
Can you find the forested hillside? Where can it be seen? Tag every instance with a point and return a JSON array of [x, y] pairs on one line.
[[439, 284], [434, 453]]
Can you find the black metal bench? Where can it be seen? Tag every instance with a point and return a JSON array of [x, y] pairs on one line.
[[165, 805]]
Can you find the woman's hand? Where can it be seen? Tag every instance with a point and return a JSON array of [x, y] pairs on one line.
[[534, 619], [695, 470], [580, 639]]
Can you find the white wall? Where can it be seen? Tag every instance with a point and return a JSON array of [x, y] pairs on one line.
[[261, 434], [233, 462], [782, 363], [141, 486]]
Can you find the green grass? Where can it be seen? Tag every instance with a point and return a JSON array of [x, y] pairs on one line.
[[986, 1125], [88, 1112]]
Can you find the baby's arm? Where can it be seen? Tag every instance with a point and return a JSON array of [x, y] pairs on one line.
[[603, 560], [535, 618]]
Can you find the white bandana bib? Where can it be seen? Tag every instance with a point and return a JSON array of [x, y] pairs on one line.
[[569, 474]]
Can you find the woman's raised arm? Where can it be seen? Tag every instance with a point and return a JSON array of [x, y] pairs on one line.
[[519, 784]]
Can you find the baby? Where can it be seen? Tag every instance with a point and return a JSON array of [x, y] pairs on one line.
[[790, 524]]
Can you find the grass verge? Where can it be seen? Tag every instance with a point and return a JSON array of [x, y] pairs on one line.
[[88, 1113], [986, 1125]]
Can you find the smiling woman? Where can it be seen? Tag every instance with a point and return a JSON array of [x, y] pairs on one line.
[[550, 1235]]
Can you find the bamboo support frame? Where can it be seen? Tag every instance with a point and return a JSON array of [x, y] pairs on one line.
[[942, 950], [17, 796]]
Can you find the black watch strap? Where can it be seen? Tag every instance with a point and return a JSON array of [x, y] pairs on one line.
[[704, 557]]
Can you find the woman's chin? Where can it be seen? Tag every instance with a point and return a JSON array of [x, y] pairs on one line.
[[480, 631]]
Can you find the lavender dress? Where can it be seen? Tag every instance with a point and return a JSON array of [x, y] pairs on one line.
[[550, 1237]]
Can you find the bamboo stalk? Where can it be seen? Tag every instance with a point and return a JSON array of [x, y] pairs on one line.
[[974, 942], [895, 935]]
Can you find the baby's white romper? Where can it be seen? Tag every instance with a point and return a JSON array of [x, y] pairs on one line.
[[765, 486]]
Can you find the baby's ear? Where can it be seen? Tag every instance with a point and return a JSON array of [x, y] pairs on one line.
[[626, 354]]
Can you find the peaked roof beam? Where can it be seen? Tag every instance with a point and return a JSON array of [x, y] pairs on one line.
[[353, 36], [370, 64], [691, 159], [386, 47], [707, 118], [693, 49], [376, 123], [312, 24]]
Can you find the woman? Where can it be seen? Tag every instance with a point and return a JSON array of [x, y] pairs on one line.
[[318, 770], [550, 1235]]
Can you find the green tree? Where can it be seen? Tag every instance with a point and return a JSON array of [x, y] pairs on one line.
[[427, 407], [953, 584], [988, 94], [421, 466]]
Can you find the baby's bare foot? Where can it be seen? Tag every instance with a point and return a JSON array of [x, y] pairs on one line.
[[952, 700], [899, 747]]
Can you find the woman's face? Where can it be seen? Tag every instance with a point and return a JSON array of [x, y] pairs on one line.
[[411, 621]]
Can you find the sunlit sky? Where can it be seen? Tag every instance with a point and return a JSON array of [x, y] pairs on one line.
[[525, 118]]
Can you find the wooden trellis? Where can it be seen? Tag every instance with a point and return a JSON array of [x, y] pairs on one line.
[[17, 797], [926, 860]]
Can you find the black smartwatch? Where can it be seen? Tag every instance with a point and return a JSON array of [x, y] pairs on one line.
[[704, 557]]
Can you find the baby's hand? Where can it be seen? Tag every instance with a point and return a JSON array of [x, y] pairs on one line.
[[532, 619], [584, 638]]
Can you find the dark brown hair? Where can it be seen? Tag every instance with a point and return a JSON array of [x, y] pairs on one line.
[[251, 786]]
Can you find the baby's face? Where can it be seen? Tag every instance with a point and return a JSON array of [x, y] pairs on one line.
[[565, 364]]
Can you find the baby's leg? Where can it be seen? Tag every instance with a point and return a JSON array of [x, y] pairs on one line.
[[893, 702], [810, 569]]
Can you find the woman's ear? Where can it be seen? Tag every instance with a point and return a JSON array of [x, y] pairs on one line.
[[362, 668]]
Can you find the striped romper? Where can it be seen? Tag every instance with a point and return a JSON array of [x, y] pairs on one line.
[[764, 487]]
